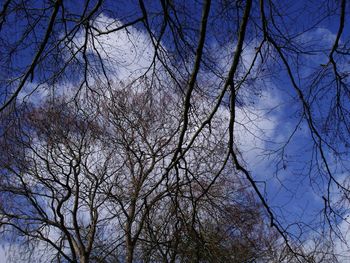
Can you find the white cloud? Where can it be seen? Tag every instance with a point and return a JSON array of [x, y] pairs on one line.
[[127, 52], [342, 248], [3, 256]]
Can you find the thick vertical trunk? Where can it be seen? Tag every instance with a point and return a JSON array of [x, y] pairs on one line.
[[129, 249], [84, 259], [129, 241], [82, 256]]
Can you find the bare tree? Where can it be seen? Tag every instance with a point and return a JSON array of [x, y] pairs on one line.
[[98, 187], [148, 122]]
